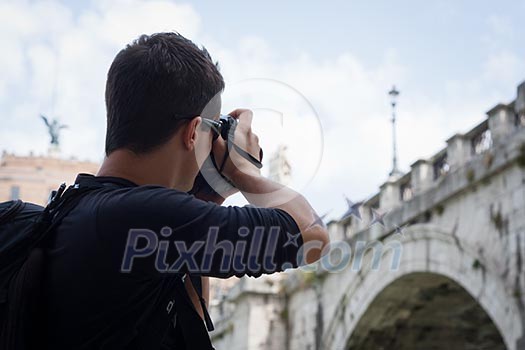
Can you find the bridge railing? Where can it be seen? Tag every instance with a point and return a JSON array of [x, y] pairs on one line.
[[502, 121]]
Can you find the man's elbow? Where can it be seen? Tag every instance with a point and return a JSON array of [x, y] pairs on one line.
[[316, 244]]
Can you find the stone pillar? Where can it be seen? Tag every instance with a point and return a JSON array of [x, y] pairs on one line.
[[390, 195], [280, 168], [519, 105], [336, 230], [459, 150], [502, 121], [422, 176]]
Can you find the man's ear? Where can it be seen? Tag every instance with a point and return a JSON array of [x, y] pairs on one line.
[[190, 133]]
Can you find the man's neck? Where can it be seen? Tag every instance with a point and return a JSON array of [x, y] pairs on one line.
[[147, 169]]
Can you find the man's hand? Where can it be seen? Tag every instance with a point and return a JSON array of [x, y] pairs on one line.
[[203, 191], [236, 166]]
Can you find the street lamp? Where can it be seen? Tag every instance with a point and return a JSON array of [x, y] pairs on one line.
[[394, 93]]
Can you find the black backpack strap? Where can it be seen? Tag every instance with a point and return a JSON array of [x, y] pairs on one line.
[[174, 323], [191, 325], [61, 203], [23, 310], [196, 281]]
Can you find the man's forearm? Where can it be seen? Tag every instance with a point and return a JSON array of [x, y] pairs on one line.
[[266, 193]]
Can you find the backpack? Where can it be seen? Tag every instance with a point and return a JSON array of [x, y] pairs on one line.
[[24, 231]]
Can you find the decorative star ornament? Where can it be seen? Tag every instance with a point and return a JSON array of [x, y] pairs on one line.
[[319, 220], [378, 217], [353, 209], [292, 239], [399, 230], [325, 214]]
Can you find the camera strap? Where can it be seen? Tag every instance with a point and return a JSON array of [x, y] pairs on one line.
[[248, 156], [230, 144], [196, 281]]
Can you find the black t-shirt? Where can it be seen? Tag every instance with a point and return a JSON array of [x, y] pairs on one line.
[[116, 250]]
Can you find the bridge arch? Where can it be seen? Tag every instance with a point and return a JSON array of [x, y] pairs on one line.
[[441, 263], [425, 311]]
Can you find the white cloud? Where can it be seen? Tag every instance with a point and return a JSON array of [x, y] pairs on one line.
[[503, 67], [52, 52], [48, 45]]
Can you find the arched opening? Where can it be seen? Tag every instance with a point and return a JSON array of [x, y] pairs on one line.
[[425, 311]]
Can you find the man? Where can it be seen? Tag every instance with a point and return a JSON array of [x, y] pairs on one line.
[[122, 250]]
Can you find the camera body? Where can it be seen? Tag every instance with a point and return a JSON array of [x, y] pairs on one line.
[[227, 123], [209, 183]]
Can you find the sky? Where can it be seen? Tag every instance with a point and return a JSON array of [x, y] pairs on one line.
[[315, 73]]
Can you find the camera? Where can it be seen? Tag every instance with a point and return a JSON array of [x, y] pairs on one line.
[[227, 123], [210, 180]]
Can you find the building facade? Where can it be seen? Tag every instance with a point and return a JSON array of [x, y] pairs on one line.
[[32, 178]]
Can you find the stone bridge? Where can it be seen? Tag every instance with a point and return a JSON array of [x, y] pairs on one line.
[[445, 271]]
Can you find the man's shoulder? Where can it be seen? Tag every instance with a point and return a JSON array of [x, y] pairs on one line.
[[146, 196], [118, 203]]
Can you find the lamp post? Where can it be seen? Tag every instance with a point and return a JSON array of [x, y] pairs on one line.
[[394, 93]]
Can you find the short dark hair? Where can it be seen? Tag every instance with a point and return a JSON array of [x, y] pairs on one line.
[[153, 84]]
